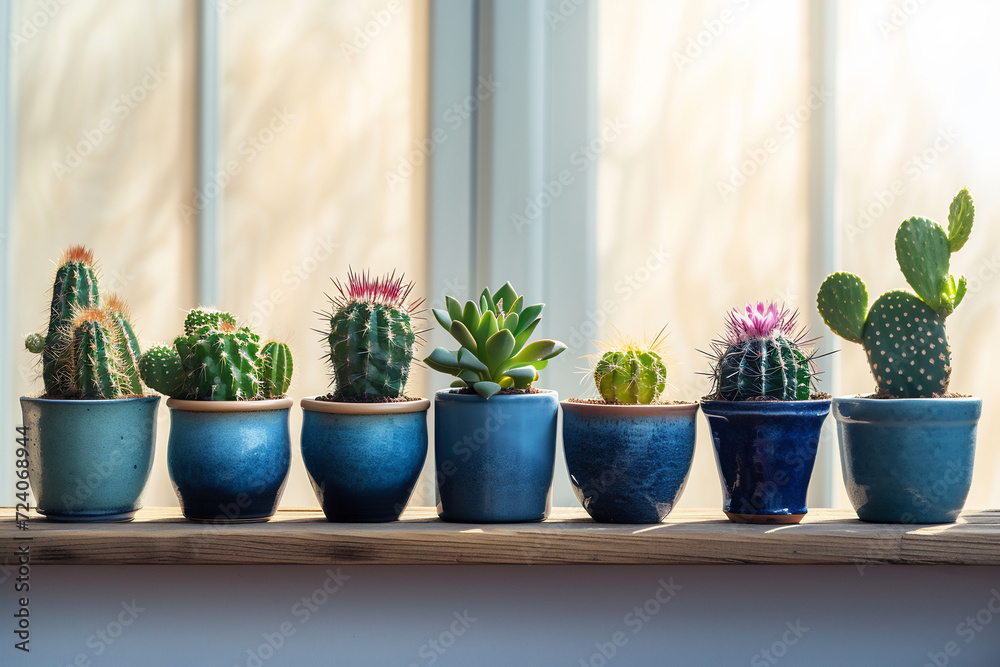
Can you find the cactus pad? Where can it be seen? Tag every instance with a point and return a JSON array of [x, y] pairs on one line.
[[843, 303], [923, 255]]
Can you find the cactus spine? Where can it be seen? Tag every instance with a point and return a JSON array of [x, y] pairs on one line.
[[371, 336], [904, 334], [75, 288], [631, 373]]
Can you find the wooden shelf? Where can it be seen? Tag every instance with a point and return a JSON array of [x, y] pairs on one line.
[[162, 536]]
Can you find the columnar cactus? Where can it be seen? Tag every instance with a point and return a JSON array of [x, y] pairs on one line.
[[904, 334], [631, 373], [371, 336], [761, 356], [217, 360], [88, 351]]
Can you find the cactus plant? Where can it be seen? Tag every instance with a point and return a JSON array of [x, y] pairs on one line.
[[903, 334], [630, 372], [217, 360], [371, 336], [88, 351], [762, 356], [493, 335]]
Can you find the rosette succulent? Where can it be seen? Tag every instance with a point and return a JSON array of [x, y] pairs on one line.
[[630, 372], [494, 352], [762, 355], [903, 334]]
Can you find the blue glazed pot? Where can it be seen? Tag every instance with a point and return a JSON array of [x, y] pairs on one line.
[[228, 460], [765, 451], [89, 460], [628, 463], [364, 459], [494, 457], [907, 460]]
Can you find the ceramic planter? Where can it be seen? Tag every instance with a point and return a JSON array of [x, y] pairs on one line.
[[228, 460], [494, 457], [765, 451], [364, 459], [628, 463], [89, 460], [907, 460]]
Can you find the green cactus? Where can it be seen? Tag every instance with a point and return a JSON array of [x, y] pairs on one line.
[[75, 288], [276, 369], [630, 372], [761, 356], [127, 343], [904, 335], [94, 353], [493, 335], [162, 370], [371, 336]]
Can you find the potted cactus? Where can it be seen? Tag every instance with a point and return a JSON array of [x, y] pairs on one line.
[[494, 434], [365, 443], [229, 450], [628, 454], [908, 450], [764, 415], [91, 435]]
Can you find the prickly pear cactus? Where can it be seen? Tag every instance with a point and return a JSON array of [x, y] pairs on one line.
[[761, 357], [630, 372], [904, 335], [371, 336], [75, 288], [276, 369]]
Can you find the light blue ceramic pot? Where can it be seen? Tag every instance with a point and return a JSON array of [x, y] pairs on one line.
[[89, 460], [628, 463], [494, 457], [364, 459], [907, 460], [228, 460]]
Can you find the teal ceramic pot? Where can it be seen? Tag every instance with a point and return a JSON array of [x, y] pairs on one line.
[[494, 457], [628, 463], [89, 460], [907, 460], [228, 460], [364, 459], [765, 452]]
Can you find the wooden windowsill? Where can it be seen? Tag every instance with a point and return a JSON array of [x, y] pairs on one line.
[[162, 536]]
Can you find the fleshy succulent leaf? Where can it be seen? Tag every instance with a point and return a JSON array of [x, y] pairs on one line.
[[498, 348], [486, 388], [442, 360], [960, 218], [843, 303], [470, 362], [443, 317], [923, 255], [454, 308], [462, 334]]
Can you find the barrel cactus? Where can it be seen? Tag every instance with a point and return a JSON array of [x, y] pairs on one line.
[[217, 360], [763, 355], [630, 372], [88, 351], [371, 336], [903, 334]]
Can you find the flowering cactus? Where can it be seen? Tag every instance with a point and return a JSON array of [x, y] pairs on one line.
[[630, 372], [761, 356]]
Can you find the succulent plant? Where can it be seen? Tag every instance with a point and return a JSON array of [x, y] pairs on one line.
[[217, 360], [631, 372], [88, 351], [904, 334], [762, 356], [493, 335], [371, 336]]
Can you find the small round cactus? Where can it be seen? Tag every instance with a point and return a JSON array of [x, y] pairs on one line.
[[631, 373], [761, 356]]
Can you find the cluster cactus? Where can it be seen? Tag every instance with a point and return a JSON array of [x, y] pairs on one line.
[[217, 360], [494, 352], [88, 351], [903, 334], [371, 336], [630, 372], [762, 356]]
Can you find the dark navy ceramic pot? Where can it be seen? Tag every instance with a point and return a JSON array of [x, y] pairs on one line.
[[628, 463], [494, 457], [89, 460], [907, 460], [765, 451], [228, 460], [364, 459]]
